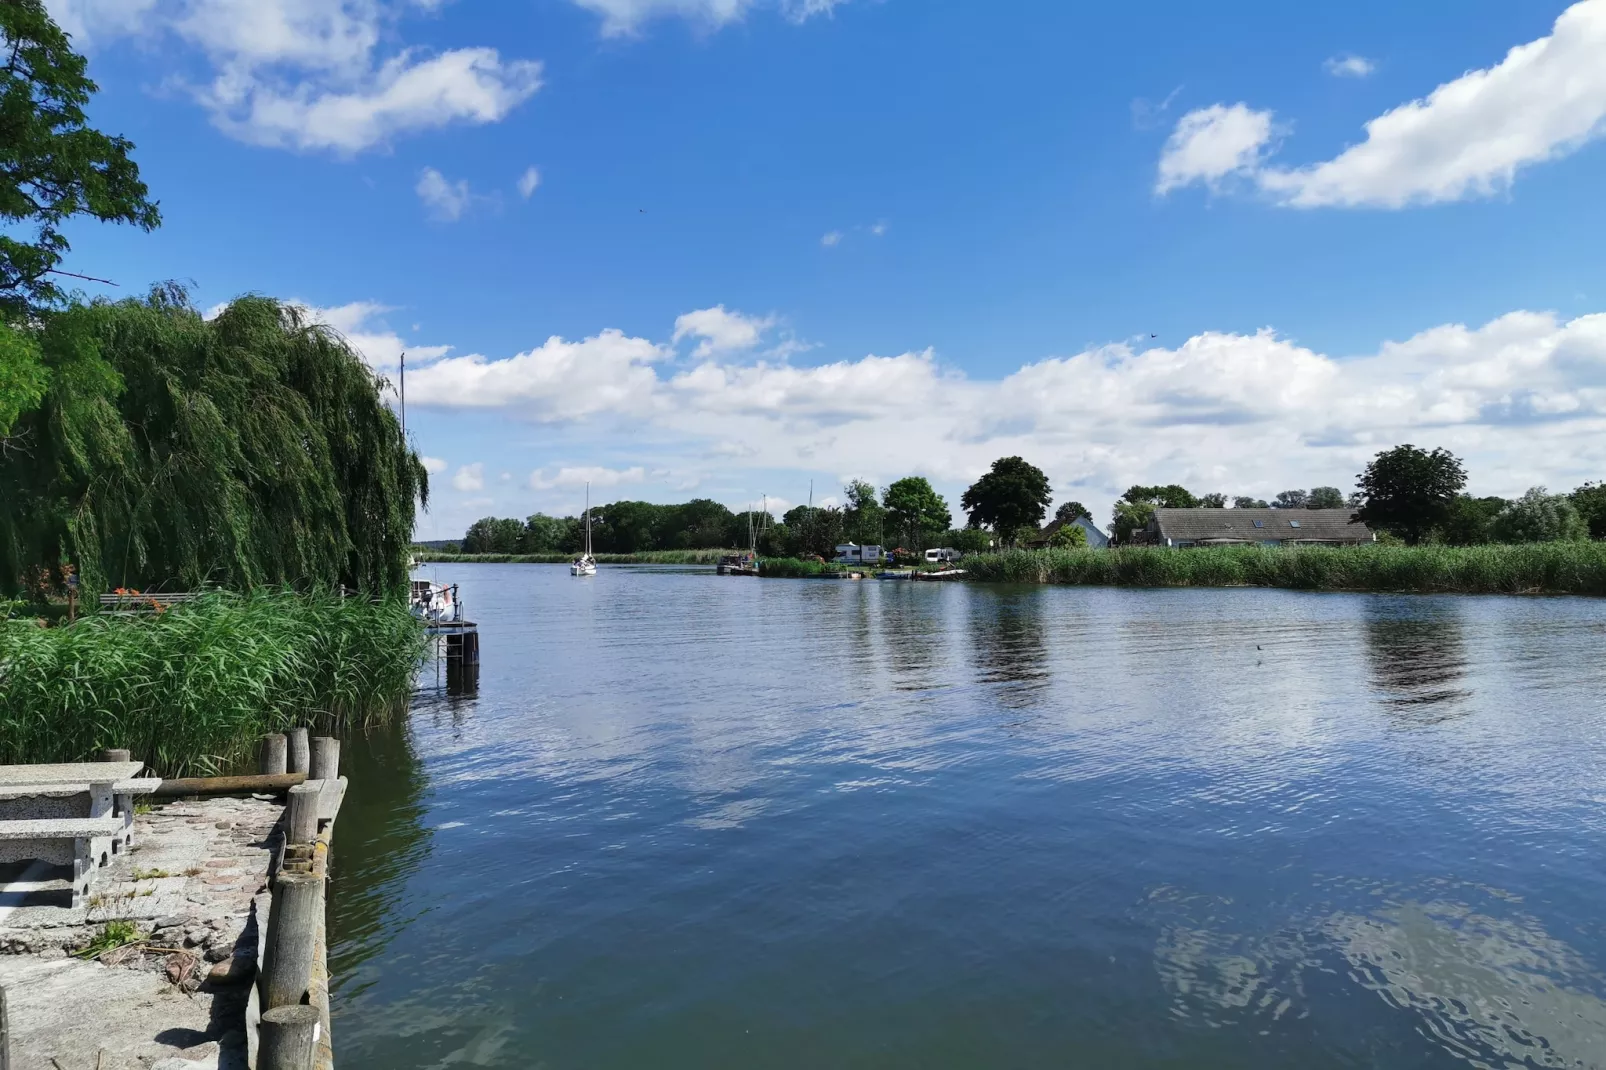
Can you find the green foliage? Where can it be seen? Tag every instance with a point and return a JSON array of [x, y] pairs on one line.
[[1011, 496], [793, 568], [863, 519], [1408, 491], [492, 535], [191, 689], [1242, 502], [1539, 516], [23, 376], [1325, 498], [1533, 568], [915, 512], [1068, 537], [53, 165], [114, 934], [1214, 500], [1170, 496], [1070, 511], [1291, 499], [649, 557], [1468, 520], [969, 540], [169, 450], [1590, 501]]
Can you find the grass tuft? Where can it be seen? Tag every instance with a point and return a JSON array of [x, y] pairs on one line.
[[113, 934]]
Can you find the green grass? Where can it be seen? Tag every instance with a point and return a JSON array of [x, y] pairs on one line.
[[654, 557], [113, 934], [1532, 568], [793, 568], [190, 690]]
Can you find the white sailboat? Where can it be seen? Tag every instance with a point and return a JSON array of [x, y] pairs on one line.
[[585, 564]]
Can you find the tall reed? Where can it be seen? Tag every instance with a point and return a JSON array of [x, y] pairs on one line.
[[1530, 568], [190, 690]]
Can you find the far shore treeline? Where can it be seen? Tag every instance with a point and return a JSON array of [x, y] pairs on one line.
[[1406, 494]]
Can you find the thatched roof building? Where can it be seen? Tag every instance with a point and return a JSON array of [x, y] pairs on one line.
[[1245, 527]]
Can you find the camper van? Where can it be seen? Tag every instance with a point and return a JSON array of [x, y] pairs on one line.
[[941, 556]]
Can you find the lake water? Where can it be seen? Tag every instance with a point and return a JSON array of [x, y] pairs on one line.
[[693, 821]]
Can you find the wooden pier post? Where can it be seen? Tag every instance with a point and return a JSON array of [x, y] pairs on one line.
[[325, 758], [301, 813], [300, 754], [289, 1037], [112, 754], [292, 939], [274, 755]]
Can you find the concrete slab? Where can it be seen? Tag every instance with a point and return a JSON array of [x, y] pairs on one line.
[[70, 773]]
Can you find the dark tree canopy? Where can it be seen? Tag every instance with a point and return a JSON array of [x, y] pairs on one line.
[[915, 512], [1468, 519], [1291, 499], [1012, 495], [1590, 501], [169, 450], [53, 165], [1408, 491], [1170, 496], [1215, 500], [1070, 511], [1244, 502], [1325, 498]]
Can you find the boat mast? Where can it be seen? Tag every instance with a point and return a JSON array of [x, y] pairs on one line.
[[588, 519]]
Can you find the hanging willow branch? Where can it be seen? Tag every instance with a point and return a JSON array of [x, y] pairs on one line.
[[173, 451]]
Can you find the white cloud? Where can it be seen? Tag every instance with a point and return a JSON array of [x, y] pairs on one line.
[[433, 465], [1350, 66], [831, 238], [470, 477], [625, 17], [878, 229], [307, 74], [1522, 398], [446, 200], [1468, 138], [1212, 143], [579, 477], [721, 331], [361, 323], [528, 182]]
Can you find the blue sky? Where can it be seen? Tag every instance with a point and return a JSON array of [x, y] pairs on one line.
[[773, 241]]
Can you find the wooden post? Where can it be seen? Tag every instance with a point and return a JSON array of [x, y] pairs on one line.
[[289, 1037], [274, 762], [300, 755], [112, 754], [292, 933], [325, 758], [301, 813]]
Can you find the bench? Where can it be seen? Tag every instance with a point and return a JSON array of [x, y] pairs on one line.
[[84, 843], [75, 789], [145, 603]]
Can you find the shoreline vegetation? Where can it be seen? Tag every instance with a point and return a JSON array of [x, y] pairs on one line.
[[191, 689], [649, 557], [1524, 568]]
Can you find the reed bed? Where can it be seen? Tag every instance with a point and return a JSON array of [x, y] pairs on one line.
[[191, 689], [1530, 568], [649, 557], [795, 568]]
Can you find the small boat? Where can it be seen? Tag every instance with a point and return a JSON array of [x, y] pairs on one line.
[[431, 601], [945, 574], [585, 564], [738, 565]]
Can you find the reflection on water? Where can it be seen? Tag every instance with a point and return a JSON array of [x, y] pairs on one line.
[[691, 822], [1418, 659]]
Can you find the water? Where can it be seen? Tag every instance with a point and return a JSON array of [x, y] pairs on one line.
[[693, 821]]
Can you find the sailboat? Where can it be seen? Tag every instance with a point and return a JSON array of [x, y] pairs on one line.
[[585, 564]]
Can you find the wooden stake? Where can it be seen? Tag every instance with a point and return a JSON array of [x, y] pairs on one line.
[[301, 813], [325, 758], [289, 1038], [300, 754], [274, 761], [292, 933]]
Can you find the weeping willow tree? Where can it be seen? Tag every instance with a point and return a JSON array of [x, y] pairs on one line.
[[174, 451]]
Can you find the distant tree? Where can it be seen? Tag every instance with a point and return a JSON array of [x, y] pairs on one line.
[[1130, 518], [1135, 508], [1012, 495], [1290, 499], [493, 535], [863, 519], [1249, 503], [1068, 536], [1407, 491], [969, 540], [700, 524], [1468, 520], [542, 535], [1590, 501], [53, 165], [1070, 511], [1213, 501], [915, 511], [1539, 516], [1325, 498]]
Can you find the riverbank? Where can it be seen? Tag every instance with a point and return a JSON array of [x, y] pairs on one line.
[[655, 557], [1532, 568], [195, 686]]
